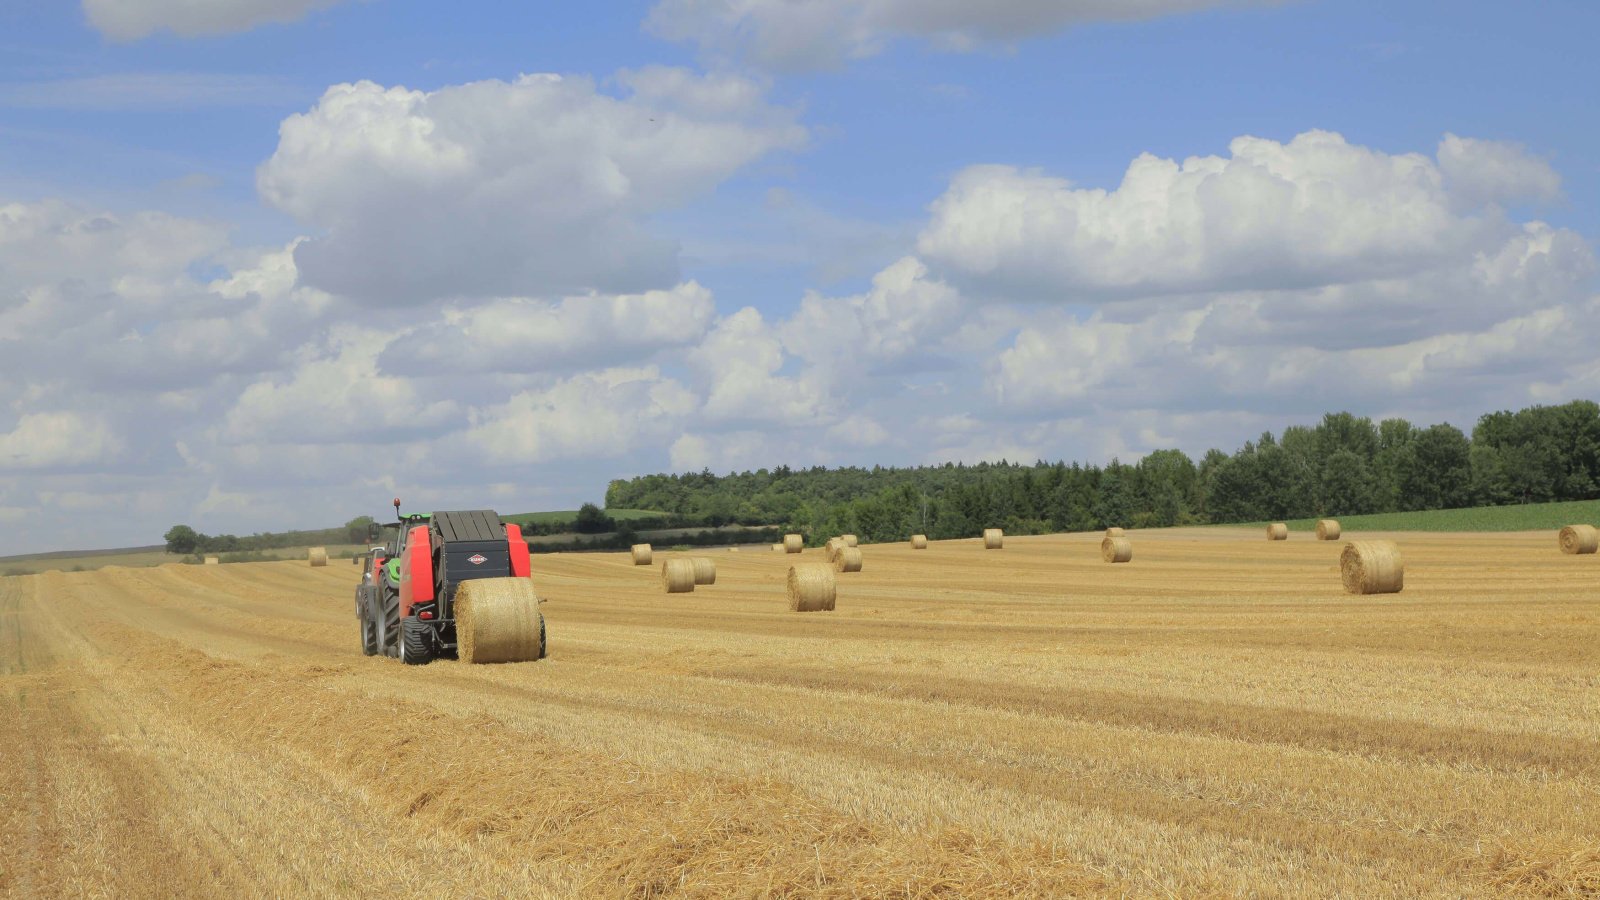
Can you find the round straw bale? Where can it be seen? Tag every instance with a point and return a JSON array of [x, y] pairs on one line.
[[830, 550], [848, 560], [318, 556], [811, 587], [498, 620], [793, 543], [849, 540], [1114, 532], [705, 570], [919, 542], [1116, 549], [1328, 529], [1372, 567], [677, 575], [993, 538], [1277, 531], [778, 547], [212, 561], [642, 554], [1580, 539]]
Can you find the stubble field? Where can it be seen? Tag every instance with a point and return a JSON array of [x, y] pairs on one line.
[[1216, 717]]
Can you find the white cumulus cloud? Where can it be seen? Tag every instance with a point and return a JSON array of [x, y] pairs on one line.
[[535, 187], [56, 440]]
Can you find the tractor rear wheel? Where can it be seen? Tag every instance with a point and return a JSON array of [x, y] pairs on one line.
[[416, 642], [371, 640], [388, 619]]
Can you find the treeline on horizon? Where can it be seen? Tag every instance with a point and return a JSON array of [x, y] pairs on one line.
[[1345, 465]]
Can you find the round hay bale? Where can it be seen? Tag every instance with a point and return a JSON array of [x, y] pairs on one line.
[[919, 542], [1328, 529], [993, 539], [642, 554], [811, 587], [778, 547], [1114, 532], [849, 540], [498, 620], [733, 549], [793, 543], [1577, 539], [677, 576], [213, 561], [705, 571], [1277, 531], [318, 556], [1116, 549], [848, 560], [1372, 567], [830, 550]]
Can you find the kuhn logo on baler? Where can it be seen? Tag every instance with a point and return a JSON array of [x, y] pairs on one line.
[[477, 559]]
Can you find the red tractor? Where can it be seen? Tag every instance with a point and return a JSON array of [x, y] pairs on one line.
[[406, 601]]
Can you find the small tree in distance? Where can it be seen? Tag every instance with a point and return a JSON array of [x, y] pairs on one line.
[[181, 539]]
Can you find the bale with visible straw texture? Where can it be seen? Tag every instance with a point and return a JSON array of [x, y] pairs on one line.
[[830, 550], [811, 588], [1116, 549], [1580, 539], [777, 548], [1372, 567], [1328, 529], [677, 576], [213, 561], [993, 539], [1277, 531], [848, 560], [498, 620], [849, 540], [642, 554], [705, 571], [793, 543], [1114, 532], [919, 542], [318, 556]]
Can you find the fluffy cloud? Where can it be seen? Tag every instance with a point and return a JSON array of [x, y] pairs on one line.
[[1481, 172], [129, 20], [530, 188], [741, 359], [337, 397], [823, 33], [898, 323], [601, 414], [524, 335], [57, 440], [1314, 211]]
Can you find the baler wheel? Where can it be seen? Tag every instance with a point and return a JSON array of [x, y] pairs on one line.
[[371, 640], [416, 646]]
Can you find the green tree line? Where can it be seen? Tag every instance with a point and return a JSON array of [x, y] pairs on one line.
[[1344, 465]]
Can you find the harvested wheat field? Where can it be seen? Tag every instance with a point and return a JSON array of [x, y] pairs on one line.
[[1215, 717]]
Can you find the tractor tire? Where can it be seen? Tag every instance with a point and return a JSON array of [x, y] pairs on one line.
[[388, 609], [371, 639], [544, 645], [416, 642]]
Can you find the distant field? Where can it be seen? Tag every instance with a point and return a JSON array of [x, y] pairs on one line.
[[88, 561], [561, 516], [1525, 517]]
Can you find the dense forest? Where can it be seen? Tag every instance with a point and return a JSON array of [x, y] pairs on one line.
[[1345, 465]]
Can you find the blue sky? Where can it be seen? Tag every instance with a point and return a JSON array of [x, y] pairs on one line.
[[761, 232]]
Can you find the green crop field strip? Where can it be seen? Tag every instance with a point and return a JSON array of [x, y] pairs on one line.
[[1524, 517]]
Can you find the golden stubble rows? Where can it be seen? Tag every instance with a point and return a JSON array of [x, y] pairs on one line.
[[1214, 717]]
